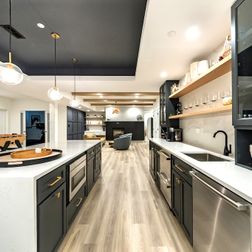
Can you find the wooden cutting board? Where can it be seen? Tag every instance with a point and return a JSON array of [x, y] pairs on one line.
[[26, 154]]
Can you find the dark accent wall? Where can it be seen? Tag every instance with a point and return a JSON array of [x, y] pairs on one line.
[[136, 128], [76, 124]]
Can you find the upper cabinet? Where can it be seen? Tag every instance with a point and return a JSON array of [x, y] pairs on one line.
[[167, 108], [242, 62]]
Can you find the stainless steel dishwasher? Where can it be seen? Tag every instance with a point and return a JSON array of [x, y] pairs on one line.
[[164, 175], [221, 219]]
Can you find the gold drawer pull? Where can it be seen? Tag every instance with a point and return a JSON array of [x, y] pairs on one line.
[[57, 195], [79, 202], [58, 178]]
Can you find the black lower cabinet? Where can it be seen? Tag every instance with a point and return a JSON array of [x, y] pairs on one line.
[[90, 173], [51, 220], [75, 205], [176, 194], [182, 196], [97, 170], [187, 213]]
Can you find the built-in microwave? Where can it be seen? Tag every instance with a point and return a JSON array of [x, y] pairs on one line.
[[77, 175]]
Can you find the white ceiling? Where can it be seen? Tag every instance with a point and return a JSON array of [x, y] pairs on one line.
[[158, 52]]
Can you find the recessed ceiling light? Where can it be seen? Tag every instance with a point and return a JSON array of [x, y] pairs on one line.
[[163, 74], [192, 33], [40, 25], [136, 94], [79, 107], [135, 100], [99, 94], [171, 34], [88, 110]]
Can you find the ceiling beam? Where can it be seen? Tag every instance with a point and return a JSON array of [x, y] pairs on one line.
[[119, 100], [97, 94], [122, 104]]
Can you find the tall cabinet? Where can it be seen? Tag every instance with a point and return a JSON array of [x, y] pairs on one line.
[[167, 108], [76, 124], [242, 80]]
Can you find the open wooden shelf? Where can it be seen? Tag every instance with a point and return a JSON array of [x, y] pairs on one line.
[[95, 125], [203, 112], [213, 73]]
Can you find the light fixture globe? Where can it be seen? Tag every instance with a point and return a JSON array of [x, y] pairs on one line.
[[54, 94], [74, 103], [10, 74]]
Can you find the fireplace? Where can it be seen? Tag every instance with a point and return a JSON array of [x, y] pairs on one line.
[[117, 132]]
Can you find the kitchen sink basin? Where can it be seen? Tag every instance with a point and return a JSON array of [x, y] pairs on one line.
[[205, 157]]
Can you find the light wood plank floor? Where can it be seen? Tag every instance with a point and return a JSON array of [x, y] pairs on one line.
[[125, 211]]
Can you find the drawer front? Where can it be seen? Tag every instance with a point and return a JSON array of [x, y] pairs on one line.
[[75, 205], [182, 168], [50, 182]]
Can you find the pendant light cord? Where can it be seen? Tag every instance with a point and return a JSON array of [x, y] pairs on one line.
[[10, 23], [74, 62], [55, 62]]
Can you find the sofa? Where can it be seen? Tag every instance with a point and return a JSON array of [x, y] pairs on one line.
[[122, 142]]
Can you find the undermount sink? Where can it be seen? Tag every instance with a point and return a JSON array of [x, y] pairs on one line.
[[206, 157]]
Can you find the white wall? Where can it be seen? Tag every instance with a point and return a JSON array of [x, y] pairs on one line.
[[21, 105], [5, 104], [58, 115], [126, 114], [199, 131], [156, 119]]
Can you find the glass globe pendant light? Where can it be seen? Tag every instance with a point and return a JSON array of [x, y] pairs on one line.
[[10, 73], [54, 93]]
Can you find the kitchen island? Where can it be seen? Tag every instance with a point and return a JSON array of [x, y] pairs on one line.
[[19, 195]]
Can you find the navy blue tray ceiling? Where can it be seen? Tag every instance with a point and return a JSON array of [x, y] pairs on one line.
[[104, 35]]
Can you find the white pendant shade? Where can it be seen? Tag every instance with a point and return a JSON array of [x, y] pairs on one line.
[[54, 94], [74, 103], [10, 74]]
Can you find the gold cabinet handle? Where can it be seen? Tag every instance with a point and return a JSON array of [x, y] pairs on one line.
[[58, 178], [79, 202], [57, 195], [178, 181]]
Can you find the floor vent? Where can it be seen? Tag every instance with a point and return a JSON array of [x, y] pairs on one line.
[[13, 31]]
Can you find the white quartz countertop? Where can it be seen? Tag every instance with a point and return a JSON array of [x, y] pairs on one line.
[[227, 173], [71, 149]]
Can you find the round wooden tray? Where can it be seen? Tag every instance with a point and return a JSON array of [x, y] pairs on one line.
[[28, 157], [26, 154]]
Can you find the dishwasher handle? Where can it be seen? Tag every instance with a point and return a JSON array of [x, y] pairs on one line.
[[237, 205], [164, 154]]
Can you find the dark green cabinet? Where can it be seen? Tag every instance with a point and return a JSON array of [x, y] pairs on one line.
[[51, 220], [182, 196]]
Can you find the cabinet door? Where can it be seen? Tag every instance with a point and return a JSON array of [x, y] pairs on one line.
[[187, 210], [176, 194], [97, 166], [52, 220], [242, 63], [90, 174]]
